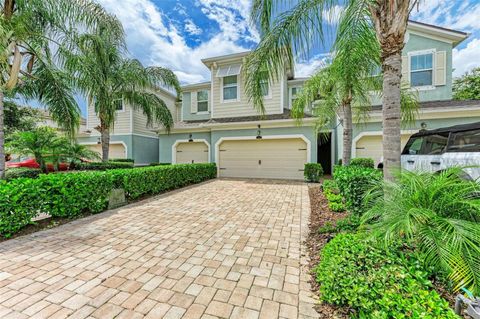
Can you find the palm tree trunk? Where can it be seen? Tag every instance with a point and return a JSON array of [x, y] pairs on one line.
[[392, 72], [105, 139], [2, 138], [347, 133]]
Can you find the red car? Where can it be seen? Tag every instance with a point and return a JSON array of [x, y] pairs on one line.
[[32, 163]]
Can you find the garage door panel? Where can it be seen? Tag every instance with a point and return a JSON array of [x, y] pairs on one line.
[[280, 158], [371, 146], [115, 150], [191, 152]]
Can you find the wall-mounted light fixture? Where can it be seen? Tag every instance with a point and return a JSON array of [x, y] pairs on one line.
[[190, 138], [99, 141], [259, 133], [423, 125]]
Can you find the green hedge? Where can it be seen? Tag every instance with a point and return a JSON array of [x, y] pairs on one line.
[[102, 166], [363, 161], [353, 182], [12, 173], [313, 172], [376, 283], [72, 194], [122, 160]]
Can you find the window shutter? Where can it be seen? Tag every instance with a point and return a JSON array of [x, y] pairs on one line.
[[208, 99], [441, 68], [405, 70], [193, 107]]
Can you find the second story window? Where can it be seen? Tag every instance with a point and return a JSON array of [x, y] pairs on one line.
[[202, 101], [293, 94], [118, 105], [230, 88], [421, 70], [265, 88]]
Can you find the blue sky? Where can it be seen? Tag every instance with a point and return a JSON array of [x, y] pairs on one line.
[[178, 33]]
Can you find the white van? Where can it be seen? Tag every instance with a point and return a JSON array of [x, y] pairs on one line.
[[436, 150]]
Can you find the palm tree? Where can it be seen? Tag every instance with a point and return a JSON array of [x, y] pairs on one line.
[[29, 29], [105, 77], [297, 29], [75, 153]]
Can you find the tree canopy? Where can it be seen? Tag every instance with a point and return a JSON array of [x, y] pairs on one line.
[[467, 87]]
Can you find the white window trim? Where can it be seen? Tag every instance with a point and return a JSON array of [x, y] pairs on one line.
[[238, 92], [207, 100], [269, 95], [290, 95], [434, 64]]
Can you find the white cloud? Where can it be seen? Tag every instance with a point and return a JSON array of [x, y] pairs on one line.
[[466, 59], [155, 40], [307, 68], [191, 28]]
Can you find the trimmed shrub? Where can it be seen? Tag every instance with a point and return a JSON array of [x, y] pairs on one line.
[[329, 185], [377, 283], [69, 195], [122, 160], [363, 161], [102, 166], [13, 173], [159, 164], [313, 172], [354, 182]]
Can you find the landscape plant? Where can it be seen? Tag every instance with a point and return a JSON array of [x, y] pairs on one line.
[[29, 33], [376, 283], [313, 172], [110, 81], [467, 86], [362, 161], [438, 214]]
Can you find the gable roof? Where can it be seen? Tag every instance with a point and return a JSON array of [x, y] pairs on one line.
[[453, 36]]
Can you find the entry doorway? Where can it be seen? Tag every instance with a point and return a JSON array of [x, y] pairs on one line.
[[324, 151]]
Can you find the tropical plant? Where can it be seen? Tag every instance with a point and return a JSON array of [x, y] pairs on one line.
[[467, 87], [29, 29], [438, 213], [288, 30], [75, 153], [37, 142], [107, 78]]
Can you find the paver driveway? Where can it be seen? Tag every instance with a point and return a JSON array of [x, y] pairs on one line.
[[225, 248]]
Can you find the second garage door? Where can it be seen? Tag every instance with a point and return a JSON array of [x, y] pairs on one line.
[[265, 158], [114, 151], [371, 146], [192, 152]]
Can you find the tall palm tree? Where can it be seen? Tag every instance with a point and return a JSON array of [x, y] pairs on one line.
[[347, 81], [295, 30], [29, 29], [105, 76]]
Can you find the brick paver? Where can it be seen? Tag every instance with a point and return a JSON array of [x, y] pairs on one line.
[[221, 249]]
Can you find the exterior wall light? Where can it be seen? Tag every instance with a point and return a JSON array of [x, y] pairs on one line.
[[190, 138], [259, 133]]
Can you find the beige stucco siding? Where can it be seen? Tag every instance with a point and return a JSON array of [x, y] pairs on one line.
[[242, 107]]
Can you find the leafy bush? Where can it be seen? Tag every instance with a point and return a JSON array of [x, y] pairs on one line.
[[159, 164], [363, 161], [101, 166], [122, 160], [439, 213], [376, 283], [69, 195], [348, 224], [329, 185], [313, 172], [354, 182], [13, 173]]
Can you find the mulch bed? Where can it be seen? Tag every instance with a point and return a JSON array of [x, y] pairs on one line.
[[319, 216]]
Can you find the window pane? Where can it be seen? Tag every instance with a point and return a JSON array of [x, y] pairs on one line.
[[435, 144], [465, 142], [413, 146], [264, 86], [294, 91], [202, 107], [202, 95], [230, 93], [421, 62], [421, 78], [229, 80], [118, 105]]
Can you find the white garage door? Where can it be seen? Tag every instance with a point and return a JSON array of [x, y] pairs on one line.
[[266, 158], [371, 146], [115, 150], [192, 152]]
